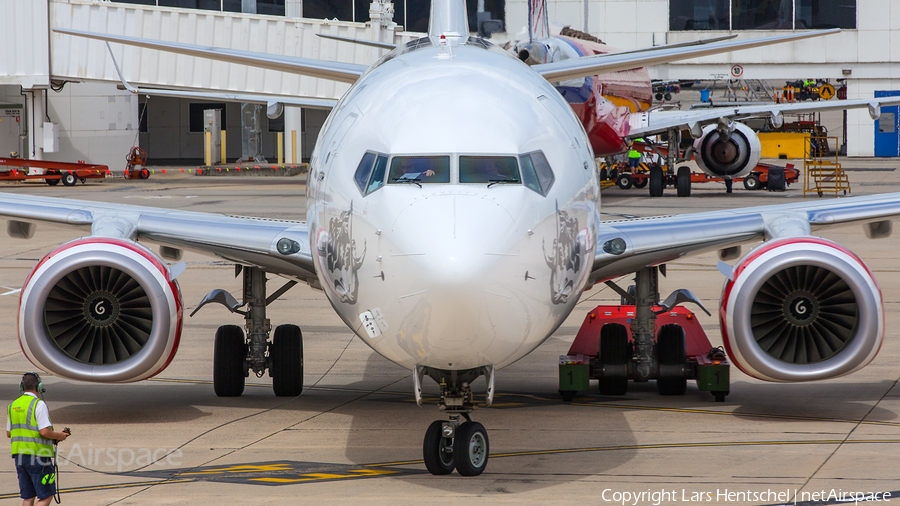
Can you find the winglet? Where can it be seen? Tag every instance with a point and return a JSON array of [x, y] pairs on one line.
[[121, 78]]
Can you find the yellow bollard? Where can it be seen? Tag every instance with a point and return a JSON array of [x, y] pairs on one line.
[[293, 146], [280, 148], [223, 148], [208, 149]]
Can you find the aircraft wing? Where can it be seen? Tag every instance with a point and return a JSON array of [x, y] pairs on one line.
[[593, 65], [655, 122], [241, 240], [652, 241], [335, 71], [698, 42], [305, 102]]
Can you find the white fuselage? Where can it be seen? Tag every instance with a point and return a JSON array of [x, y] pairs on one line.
[[459, 275]]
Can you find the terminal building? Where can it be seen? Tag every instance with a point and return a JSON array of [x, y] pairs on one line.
[[61, 98]]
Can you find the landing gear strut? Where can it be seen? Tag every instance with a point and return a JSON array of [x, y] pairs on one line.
[[236, 356], [450, 444]]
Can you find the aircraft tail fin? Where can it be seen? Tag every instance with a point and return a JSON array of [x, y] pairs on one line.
[[448, 18], [538, 23]]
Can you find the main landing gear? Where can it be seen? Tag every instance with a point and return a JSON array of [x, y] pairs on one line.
[[236, 356], [450, 445], [644, 350]]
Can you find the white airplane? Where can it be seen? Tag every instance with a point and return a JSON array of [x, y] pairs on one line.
[[450, 246]]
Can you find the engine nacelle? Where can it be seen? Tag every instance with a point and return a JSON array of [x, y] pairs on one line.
[[801, 309], [735, 157], [101, 310]]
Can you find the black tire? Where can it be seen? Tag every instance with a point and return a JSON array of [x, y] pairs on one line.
[[720, 396], [51, 172], [640, 182], [604, 174], [625, 181], [144, 174], [286, 354], [631, 290], [613, 351], [437, 461], [667, 96], [751, 182], [69, 179], [228, 361], [471, 449], [657, 182], [670, 350], [568, 395], [683, 182]]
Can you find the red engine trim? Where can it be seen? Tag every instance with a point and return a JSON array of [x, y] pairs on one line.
[[173, 285], [765, 248]]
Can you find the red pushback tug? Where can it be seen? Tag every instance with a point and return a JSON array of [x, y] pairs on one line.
[[604, 350]]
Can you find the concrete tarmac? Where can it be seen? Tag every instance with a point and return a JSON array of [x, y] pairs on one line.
[[356, 433]]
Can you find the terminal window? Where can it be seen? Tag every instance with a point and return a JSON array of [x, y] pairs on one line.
[[685, 15]]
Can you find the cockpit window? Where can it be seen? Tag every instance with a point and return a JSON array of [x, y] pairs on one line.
[[420, 169], [488, 169], [367, 179], [364, 171], [377, 180], [536, 172]]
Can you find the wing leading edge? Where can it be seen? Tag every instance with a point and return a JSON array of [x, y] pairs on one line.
[[654, 241], [649, 123], [241, 240], [593, 65], [335, 71]]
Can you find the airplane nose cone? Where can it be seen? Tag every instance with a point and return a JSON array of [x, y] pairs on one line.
[[457, 247], [455, 273]]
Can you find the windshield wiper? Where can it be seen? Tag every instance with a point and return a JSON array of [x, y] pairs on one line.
[[492, 182], [413, 180]]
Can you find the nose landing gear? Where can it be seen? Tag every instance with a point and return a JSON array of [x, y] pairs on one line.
[[450, 444]]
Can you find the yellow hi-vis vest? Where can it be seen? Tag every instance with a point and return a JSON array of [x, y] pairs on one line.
[[26, 437], [633, 153]]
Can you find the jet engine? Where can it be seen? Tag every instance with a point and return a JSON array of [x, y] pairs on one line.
[[801, 309], [732, 155], [101, 310]]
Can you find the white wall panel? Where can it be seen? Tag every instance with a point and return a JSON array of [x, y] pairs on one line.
[[78, 58], [24, 58]]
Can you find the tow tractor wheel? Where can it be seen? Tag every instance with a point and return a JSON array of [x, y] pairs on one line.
[[438, 450], [228, 361], [670, 350], [614, 174], [640, 182], [683, 182], [625, 181], [751, 182], [51, 172], [144, 174], [656, 181], [613, 351], [69, 179], [286, 353], [471, 449]]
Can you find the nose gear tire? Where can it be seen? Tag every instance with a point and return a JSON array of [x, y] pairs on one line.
[[438, 461], [471, 449]]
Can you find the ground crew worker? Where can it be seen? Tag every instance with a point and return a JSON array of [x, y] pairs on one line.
[[28, 426], [634, 156]]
